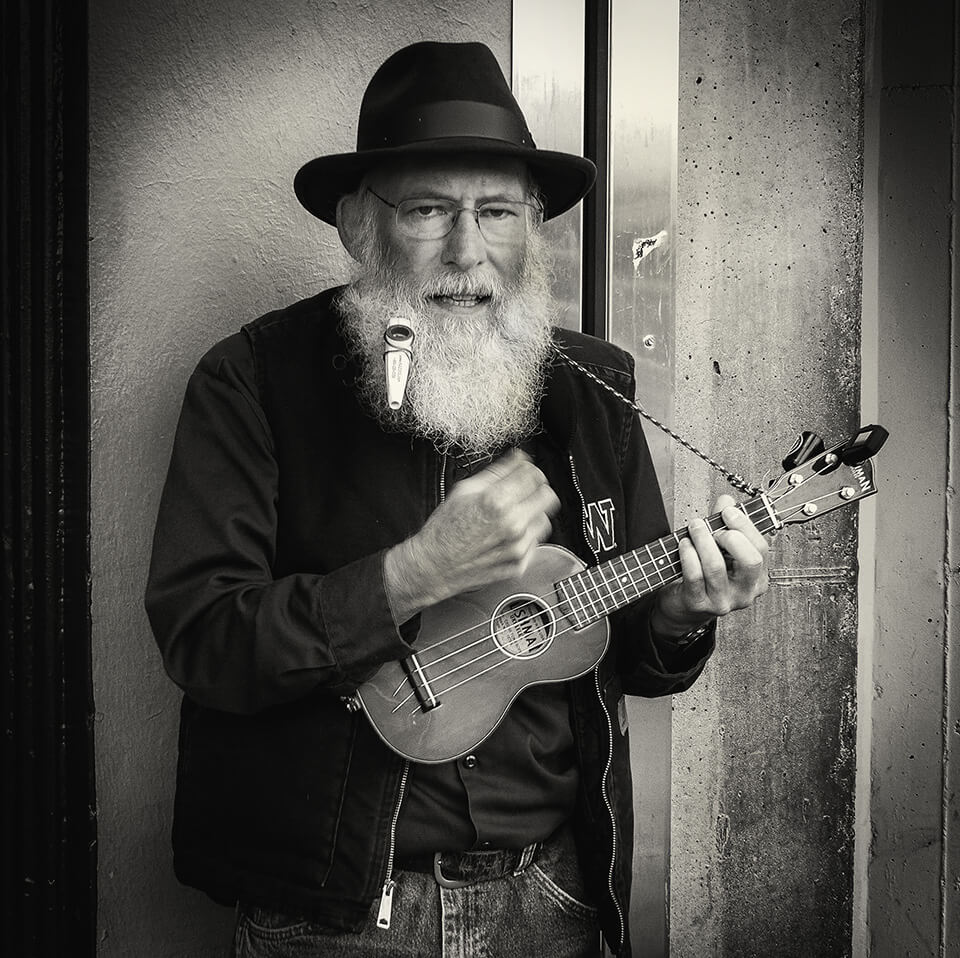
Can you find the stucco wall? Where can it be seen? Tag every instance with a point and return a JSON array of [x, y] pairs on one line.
[[200, 115]]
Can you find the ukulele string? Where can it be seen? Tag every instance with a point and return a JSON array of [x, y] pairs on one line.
[[670, 555], [474, 661], [546, 607], [599, 612], [586, 600], [596, 603], [800, 506]]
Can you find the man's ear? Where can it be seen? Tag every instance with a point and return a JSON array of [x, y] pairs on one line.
[[348, 224]]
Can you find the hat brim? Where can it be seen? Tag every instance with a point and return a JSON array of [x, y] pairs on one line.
[[563, 178]]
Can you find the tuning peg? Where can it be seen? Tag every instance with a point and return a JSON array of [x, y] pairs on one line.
[[865, 444], [808, 445]]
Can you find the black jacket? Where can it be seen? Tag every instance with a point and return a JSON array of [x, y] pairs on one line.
[[266, 597]]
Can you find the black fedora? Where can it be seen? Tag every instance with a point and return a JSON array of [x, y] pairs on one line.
[[431, 99]]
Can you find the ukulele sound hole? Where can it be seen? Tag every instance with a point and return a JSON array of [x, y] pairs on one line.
[[523, 627]]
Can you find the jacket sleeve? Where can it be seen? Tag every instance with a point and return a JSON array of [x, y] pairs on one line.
[[650, 665], [231, 635]]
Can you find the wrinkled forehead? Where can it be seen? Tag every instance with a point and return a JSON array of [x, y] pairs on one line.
[[459, 177]]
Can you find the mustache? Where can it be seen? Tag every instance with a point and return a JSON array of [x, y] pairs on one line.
[[461, 284]]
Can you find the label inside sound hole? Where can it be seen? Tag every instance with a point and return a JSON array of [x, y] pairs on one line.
[[523, 627]]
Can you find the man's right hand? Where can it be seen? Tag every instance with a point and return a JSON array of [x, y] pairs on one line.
[[485, 531]]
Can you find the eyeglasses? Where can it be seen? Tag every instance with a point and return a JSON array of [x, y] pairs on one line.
[[430, 218]]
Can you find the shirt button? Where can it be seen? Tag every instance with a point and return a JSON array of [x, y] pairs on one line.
[[470, 761]]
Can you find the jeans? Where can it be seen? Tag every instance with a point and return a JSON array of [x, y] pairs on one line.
[[540, 912]]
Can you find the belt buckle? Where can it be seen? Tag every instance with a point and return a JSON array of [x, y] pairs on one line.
[[442, 880]]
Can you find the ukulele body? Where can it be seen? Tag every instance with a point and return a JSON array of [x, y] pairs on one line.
[[475, 654]]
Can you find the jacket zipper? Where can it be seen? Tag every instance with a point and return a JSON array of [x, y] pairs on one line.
[[606, 715], [386, 896], [609, 805], [583, 508], [385, 911]]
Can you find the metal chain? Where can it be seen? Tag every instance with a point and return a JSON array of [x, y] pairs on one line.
[[734, 478]]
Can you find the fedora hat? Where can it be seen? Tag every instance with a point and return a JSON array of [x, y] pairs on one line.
[[434, 99]]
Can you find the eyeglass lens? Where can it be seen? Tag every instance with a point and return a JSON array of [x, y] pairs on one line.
[[434, 218]]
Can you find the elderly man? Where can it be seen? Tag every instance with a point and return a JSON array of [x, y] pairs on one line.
[[320, 509]]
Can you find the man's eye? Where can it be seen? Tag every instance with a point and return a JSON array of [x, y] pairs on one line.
[[427, 211], [495, 212]]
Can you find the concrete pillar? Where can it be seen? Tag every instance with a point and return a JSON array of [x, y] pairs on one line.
[[768, 306]]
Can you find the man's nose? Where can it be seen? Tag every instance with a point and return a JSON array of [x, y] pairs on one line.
[[465, 246]]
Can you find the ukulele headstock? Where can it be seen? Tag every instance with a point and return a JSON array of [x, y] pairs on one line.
[[828, 479]]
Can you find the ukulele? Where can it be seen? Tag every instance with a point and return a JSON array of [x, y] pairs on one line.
[[476, 652]]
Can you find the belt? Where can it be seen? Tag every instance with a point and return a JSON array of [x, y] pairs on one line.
[[456, 869]]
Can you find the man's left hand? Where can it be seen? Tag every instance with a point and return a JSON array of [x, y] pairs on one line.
[[722, 571]]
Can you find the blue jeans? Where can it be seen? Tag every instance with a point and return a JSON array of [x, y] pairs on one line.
[[540, 912]]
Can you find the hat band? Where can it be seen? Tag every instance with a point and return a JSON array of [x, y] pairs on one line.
[[452, 118]]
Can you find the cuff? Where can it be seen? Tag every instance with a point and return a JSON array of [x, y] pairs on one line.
[[678, 656], [360, 625]]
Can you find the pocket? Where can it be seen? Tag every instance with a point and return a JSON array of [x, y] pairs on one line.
[[569, 899], [264, 933], [557, 876], [258, 929]]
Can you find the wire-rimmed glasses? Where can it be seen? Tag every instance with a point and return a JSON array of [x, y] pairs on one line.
[[431, 217]]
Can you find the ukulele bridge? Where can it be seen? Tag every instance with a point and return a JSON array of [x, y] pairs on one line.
[[420, 683]]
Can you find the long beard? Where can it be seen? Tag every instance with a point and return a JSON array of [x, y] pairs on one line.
[[474, 384]]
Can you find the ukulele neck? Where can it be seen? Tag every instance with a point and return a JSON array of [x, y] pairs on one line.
[[593, 594]]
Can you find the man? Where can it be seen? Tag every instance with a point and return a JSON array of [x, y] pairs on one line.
[[308, 526]]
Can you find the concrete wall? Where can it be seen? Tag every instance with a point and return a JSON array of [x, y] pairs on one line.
[[768, 306], [200, 115], [911, 373]]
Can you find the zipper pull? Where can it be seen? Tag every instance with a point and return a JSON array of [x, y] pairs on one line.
[[386, 904]]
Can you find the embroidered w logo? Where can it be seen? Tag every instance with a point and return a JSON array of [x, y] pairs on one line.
[[599, 524]]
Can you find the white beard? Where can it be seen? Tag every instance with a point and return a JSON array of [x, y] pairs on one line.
[[474, 384]]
